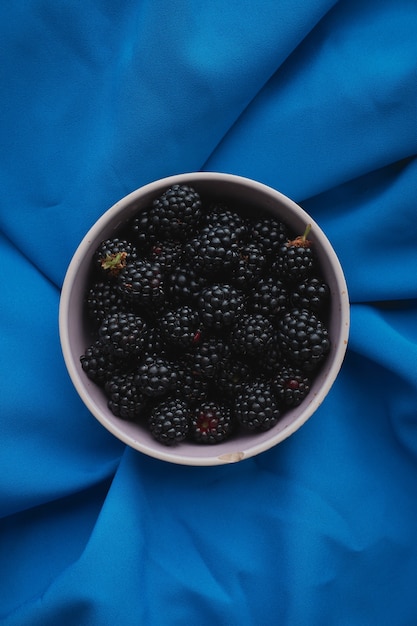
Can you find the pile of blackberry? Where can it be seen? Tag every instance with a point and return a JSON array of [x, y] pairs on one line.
[[206, 319]]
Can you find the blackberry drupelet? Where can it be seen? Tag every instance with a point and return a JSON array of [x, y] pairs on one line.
[[291, 385], [211, 422], [122, 334], [112, 255], [304, 338], [141, 283], [169, 421], [177, 212], [256, 408], [124, 398], [251, 334], [181, 327], [219, 304], [155, 376], [313, 294]]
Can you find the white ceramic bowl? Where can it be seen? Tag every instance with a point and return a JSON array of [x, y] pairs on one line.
[[75, 337]]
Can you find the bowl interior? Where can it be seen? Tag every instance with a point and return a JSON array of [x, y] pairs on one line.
[[75, 335]]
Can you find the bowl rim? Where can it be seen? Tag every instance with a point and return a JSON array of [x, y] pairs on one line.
[[174, 455]]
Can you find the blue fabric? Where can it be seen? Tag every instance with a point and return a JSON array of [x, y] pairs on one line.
[[316, 98]]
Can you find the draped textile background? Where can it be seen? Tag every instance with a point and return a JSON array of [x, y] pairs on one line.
[[316, 98]]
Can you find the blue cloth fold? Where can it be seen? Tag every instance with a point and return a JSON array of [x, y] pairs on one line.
[[317, 99]]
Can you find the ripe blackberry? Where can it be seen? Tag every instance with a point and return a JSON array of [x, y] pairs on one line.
[[112, 255], [269, 362], [167, 254], [291, 386], [304, 338], [169, 421], [269, 297], [256, 408], [233, 377], [250, 265], [269, 233], [154, 343], [155, 376], [124, 398], [220, 215], [313, 294], [103, 299], [211, 422], [99, 365], [208, 356], [190, 387], [295, 260], [144, 232], [219, 304], [181, 327], [122, 334], [177, 212], [184, 285], [213, 250], [252, 334], [141, 283]]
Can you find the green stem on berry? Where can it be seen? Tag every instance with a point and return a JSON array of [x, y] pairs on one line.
[[114, 262]]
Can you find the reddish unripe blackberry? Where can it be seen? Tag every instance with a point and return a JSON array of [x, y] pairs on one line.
[[169, 421], [211, 422], [256, 408]]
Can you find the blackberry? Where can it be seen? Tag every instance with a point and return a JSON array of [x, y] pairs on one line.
[[269, 297], [169, 421], [124, 398], [177, 212], [233, 377], [184, 285], [291, 386], [304, 338], [141, 283], [181, 327], [154, 343], [213, 250], [99, 365], [112, 255], [252, 334], [122, 334], [271, 359], [313, 294], [167, 254], [256, 408], [269, 234], [295, 260], [191, 387], [220, 215], [144, 232], [103, 299], [250, 265], [211, 422], [208, 356], [155, 376], [219, 305]]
